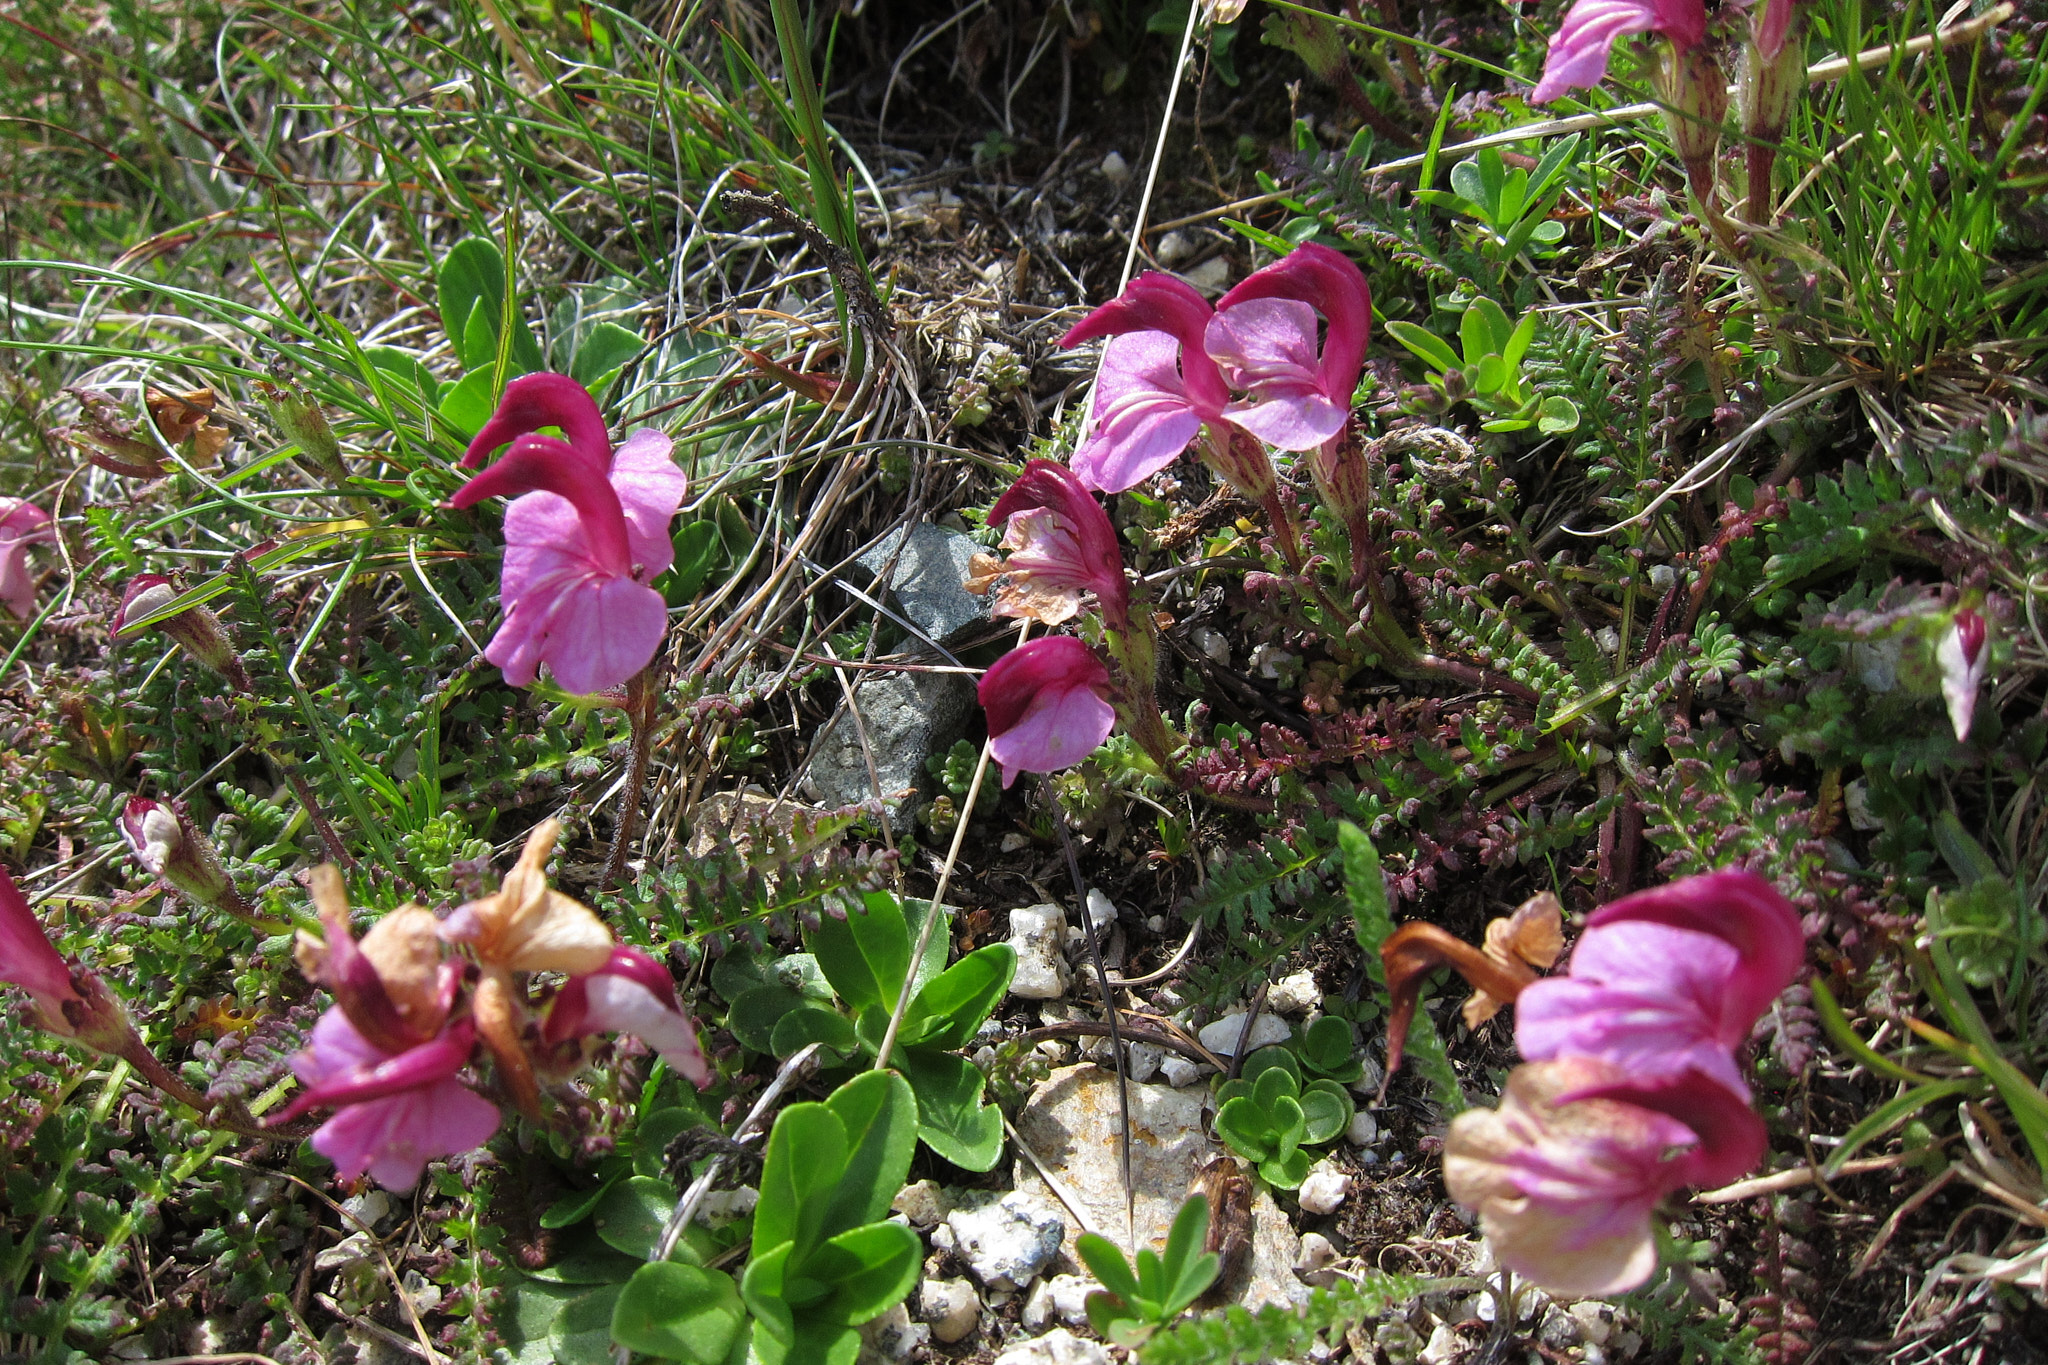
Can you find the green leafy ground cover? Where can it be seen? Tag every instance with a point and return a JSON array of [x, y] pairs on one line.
[[1685, 509]]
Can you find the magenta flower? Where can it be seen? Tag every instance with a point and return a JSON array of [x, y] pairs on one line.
[[1047, 704], [1061, 545], [1157, 384], [1669, 980], [70, 1004], [582, 541], [1962, 657], [395, 1111], [22, 524], [1567, 1172], [631, 993], [1584, 41], [30, 962], [1264, 336]]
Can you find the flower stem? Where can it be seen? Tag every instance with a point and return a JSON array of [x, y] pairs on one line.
[[641, 693]]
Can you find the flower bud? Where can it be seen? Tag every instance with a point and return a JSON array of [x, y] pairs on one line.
[[196, 630], [170, 848], [305, 425], [107, 438], [1767, 89], [1695, 98]]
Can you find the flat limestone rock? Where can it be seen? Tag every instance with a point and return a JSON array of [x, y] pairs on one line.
[[1071, 1124]]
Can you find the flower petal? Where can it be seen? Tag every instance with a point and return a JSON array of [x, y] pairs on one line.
[[650, 489], [1738, 907]]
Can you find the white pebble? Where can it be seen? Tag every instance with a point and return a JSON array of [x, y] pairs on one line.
[[1296, 994], [1221, 1037], [1115, 168], [1324, 1189]]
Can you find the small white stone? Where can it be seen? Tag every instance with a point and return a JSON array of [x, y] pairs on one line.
[[1174, 248], [1179, 1071], [1608, 638], [1663, 577], [943, 1239], [950, 1306], [349, 1250], [1313, 1265], [371, 1207], [924, 1204], [1212, 644], [1057, 1347], [1594, 1355], [1038, 934], [1157, 924], [1324, 1189], [723, 1206], [1364, 1129], [1221, 1036], [1211, 276], [1115, 168], [1142, 1062], [1101, 911], [1595, 1319], [1068, 1296], [1296, 994], [1627, 1343], [1014, 841], [1443, 1344]]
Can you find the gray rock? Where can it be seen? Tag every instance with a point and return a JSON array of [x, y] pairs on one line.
[[1181, 1071], [1143, 1059], [1364, 1129], [1560, 1330], [1071, 1123], [950, 1306], [1039, 934], [927, 579], [1221, 1036], [891, 1337], [1008, 1242], [909, 717], [1057, 1347]]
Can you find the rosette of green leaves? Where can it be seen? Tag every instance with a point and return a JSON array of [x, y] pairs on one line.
[[1269, 1115], [1137, 1303], [1326, 1051], [864, 956], [824, 1258]]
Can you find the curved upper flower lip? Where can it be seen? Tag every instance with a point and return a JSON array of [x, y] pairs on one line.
[[1052, 486], [1157, 302], [545, 399], [1326, 279], [1732, 1138], [1738, 907], [549, 465], [26, 955], [417, 1067]]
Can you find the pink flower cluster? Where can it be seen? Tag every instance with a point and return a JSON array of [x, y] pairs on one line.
[[1048, 700], [409, 1017], [1251, 367], [1631, 1089]]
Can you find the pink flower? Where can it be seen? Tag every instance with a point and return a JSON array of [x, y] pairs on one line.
[[1579, 52], [22, 524], [29, 961], [582, 543], [1264, 336], [75, 1005], [1669, 980], [1047, 705], [1566, 1173], [1061, 545], [631, 993], [395, 1111], [1156, 386], [1962, 657]]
